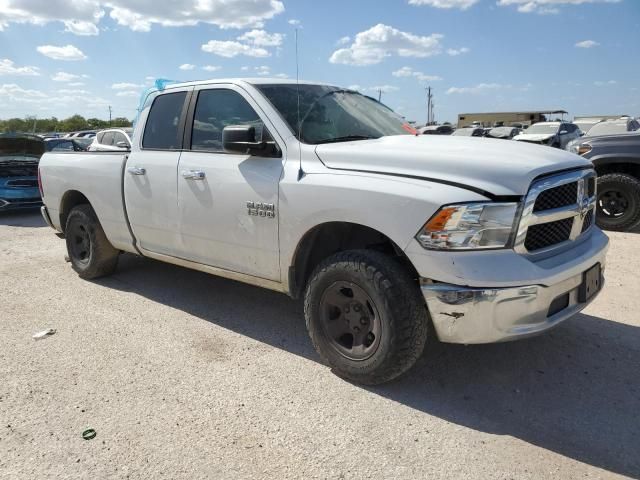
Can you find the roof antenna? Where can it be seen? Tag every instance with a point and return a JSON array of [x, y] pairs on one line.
[[300, 171]]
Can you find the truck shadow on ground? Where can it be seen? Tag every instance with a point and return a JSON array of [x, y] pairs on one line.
[[574, 391], [22, 218]]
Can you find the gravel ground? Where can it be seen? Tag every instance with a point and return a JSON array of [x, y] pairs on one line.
[[185, 375]]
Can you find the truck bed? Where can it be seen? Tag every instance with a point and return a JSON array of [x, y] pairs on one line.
[[96, 175]]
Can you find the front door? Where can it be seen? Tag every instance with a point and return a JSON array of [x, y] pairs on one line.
[[227, 203]]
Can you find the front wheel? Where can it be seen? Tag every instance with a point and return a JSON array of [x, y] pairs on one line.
[[365, 316], [90, 252], [618, 204]]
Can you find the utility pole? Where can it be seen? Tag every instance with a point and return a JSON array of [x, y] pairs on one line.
[[379, 94], [429, 105], [109, 115]]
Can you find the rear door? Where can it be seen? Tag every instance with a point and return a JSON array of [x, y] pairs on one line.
[[227, 202], [150, 175]]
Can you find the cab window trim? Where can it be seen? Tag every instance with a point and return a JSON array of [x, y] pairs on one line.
[[190, 117]]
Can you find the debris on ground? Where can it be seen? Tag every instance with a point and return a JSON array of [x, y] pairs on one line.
[[44, 334]]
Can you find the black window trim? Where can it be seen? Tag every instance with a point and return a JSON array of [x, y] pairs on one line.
[[190, 116], [181, 122]]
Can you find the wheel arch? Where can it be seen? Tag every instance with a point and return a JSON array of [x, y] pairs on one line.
[[628, 165], [70, 199], [328, 238]]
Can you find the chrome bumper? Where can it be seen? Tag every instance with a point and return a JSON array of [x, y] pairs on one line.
[[476, 315]]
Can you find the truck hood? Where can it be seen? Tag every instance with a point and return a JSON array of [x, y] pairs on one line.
[[497, 168], [534, 137]]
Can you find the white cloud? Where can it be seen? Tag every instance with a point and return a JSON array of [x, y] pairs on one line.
[[262, 38], [546, 6], [7, 67], [294, 21], [125, 86], [64, 77], [141, 15], [128, 93], [409, 72], [187, 66], [67, 91], [263, 70], [480, 88], [355, 87], [231, 49], [587, 44], [82, 16], [76, 84], [11, 91], [282, 75], [383, 88], [68, 52], [244, 69], [461, 4], [603, 84], [457, 51], [344, 40], [79, 27], [380, 41], [211, 68]]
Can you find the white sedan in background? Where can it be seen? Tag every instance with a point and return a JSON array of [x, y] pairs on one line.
[[112, 140]]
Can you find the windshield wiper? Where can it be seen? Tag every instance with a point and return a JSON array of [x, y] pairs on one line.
[[346, 138]]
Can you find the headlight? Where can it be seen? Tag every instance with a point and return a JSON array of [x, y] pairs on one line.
[[579, 148], [470, 226]]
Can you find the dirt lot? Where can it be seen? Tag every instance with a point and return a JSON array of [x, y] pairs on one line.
[[184, 375]]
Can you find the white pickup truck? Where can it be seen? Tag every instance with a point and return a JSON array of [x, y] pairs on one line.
[[323, 193]]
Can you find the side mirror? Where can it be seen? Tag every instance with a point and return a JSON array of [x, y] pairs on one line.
[[242, 139]]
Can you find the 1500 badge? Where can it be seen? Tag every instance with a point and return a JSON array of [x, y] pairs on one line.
[[259, 209]]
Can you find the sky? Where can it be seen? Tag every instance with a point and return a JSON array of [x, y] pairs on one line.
[[61, 57]]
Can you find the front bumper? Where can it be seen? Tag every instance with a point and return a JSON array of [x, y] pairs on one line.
[[465, 314]]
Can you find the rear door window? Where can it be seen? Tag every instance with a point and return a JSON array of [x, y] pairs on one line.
[[162, 130]]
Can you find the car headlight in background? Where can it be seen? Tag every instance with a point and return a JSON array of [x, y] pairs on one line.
[[580, 148], [470, 226]]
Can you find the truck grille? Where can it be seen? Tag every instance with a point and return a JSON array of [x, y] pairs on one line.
[[557, 209], [557, 197], [547, 234]]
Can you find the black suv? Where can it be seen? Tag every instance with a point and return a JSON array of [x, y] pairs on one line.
[[617, 161]]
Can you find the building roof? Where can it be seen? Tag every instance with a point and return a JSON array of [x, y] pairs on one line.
[[518, 113]]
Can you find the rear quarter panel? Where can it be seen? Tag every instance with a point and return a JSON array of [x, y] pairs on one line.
[[96, 175]]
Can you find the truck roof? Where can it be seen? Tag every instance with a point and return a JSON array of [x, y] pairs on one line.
[[251, 81]]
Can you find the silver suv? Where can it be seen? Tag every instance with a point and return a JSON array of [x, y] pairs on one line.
[[112, 140]]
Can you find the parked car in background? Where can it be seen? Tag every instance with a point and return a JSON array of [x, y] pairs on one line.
[[618, 126], [505, 133], [66, 144], [112, 140], [617, 162], [83, 133], [436, 130], [585, 124], [468, 132], [19, 157], [614, 127], [554, 134]]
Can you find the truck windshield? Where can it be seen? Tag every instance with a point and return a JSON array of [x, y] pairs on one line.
[[330, 114]]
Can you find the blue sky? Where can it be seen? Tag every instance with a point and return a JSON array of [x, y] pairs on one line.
[[59, 57]]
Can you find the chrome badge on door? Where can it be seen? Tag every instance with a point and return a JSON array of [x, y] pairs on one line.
[[259, 209]]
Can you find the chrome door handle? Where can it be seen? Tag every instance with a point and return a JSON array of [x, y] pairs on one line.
[[193, 174], [136, 170]]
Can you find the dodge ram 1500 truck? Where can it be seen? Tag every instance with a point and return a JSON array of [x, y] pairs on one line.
[[326, 194]]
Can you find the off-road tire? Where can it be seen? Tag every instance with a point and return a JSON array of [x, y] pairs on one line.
[[90, 253], [401, 307], [629, 188]]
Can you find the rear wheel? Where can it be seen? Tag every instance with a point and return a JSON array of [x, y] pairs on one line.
[[90, 252], [366, 316], [618, 204]]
